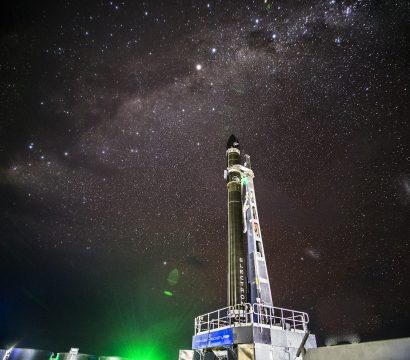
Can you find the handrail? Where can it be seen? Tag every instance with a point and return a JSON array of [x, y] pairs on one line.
[[248, 314]]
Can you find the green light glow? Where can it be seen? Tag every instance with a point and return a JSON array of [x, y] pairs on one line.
[[150, 324], [173, 277], [244, 180], [154, 340], [144, 351]]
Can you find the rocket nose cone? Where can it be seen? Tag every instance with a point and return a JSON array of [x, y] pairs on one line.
[[232, 142]]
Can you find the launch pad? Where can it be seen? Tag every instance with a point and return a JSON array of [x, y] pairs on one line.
[[252, 331]]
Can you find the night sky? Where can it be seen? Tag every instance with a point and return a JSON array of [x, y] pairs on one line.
[[114, 121]]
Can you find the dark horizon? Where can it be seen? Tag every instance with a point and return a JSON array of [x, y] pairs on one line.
[[113, 126]]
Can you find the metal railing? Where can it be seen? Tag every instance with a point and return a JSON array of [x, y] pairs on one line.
[[252, 314], [285, 318]]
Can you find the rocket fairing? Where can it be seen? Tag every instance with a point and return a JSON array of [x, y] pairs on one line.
[[237, 272]]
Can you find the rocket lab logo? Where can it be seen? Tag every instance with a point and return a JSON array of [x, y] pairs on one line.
[[242, 280]]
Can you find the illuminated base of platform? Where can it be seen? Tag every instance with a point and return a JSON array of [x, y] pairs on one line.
[[395, 349], [248, 343]]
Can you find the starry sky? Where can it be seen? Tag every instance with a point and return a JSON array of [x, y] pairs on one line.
[[114, 117]]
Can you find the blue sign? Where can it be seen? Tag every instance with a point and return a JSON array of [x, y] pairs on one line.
[[213, 339]]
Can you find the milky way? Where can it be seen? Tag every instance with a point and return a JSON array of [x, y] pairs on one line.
[[114, 121]]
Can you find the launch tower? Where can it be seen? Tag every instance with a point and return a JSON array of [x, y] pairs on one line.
[[250, 327]]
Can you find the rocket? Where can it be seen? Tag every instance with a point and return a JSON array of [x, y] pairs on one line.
[[248, 281], [237, 273]]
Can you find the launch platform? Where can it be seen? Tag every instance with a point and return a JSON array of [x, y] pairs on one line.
[[253, 331]]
